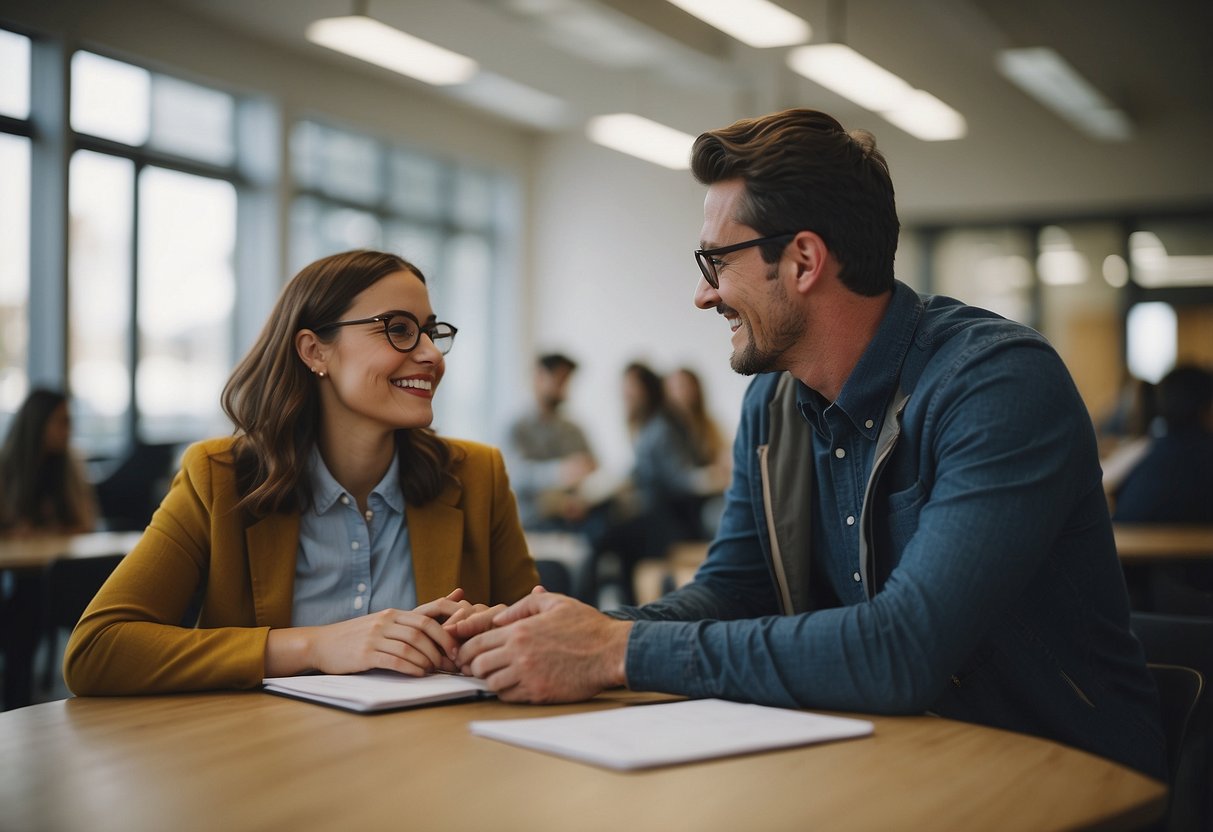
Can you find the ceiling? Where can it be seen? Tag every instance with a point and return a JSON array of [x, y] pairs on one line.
[[1152, 58]]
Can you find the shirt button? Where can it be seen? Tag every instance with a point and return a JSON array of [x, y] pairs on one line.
[[839, 452], [868, 423], [855, 577], [850, 519], [354, 545], [369, 515], [345, 501], [362, 587], [358, 602]]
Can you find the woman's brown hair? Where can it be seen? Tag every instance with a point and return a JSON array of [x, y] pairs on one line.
[[272, 397], [41, 489]]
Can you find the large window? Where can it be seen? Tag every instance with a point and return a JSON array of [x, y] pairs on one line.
[[14, 221], [354, 191], [151, 280]]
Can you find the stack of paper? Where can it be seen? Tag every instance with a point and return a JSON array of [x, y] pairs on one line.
[[378, 690], [642, 736]]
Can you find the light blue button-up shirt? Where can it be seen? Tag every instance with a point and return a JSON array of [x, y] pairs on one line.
[[350, 564]]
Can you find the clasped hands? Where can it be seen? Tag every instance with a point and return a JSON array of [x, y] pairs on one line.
[[545, 648]]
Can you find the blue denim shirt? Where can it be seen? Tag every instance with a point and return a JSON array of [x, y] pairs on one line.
[[996, 594]]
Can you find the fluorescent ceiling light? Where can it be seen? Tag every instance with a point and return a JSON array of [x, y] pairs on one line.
[[925, 117], [842, 70], [369, 40], [757, 23], [645, 139], [1047, 77]]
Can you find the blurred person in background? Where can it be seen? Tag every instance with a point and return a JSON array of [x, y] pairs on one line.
[[42, 484], [660, 502], [684, 393], [334, 532], [547, 454], [43, 491], [1172, 483], [1173, 480]]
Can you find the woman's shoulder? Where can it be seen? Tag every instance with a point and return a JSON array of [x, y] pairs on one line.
[[208, 452], [470, 452]]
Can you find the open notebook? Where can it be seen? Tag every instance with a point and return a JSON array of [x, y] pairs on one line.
[[378, 690], [644, 736]]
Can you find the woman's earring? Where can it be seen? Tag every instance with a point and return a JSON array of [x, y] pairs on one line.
[[321, 373]]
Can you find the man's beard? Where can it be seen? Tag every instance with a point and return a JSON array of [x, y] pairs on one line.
[[752, 359]]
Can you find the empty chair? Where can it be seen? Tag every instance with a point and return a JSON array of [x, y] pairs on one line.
[[1179, 650], [130, 494]]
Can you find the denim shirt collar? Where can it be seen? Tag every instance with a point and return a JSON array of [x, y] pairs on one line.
[[867, 390], [326, 491]]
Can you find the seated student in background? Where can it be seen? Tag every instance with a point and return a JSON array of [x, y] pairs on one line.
[[334, 531], [547, 454], [42, 484], [42, 491], [660, 501], [916, 520], [1173, 481], [684, 394]]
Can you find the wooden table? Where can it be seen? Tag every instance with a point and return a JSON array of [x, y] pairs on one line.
[[37, 551], [1148, 543], [243, 761]]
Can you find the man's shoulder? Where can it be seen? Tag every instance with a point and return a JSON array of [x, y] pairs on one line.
[[945, 319]]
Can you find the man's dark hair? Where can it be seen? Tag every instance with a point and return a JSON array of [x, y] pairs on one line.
[[1184, 397], [803, 171], [555, 361]]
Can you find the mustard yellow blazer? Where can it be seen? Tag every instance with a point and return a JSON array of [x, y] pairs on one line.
[[130, 638]]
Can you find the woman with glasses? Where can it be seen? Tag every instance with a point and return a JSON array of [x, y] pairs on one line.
[[334, 531]]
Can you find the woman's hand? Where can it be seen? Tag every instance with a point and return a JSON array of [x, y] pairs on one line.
[[410, 642]]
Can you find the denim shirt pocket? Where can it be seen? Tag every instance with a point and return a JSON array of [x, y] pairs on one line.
[[901, 515]]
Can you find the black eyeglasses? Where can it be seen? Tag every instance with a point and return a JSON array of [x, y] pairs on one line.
[[403, 331], [706, 257]]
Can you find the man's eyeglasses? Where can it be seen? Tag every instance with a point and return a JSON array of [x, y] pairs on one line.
[[706, 257], [403, 331]]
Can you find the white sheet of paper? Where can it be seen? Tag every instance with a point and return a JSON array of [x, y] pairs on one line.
[[642, 736], [377, 690]]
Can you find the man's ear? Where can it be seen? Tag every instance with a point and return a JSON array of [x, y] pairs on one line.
[[311, 350], [811, 258]]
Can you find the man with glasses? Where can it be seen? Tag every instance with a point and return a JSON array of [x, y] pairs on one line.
[[916, 520]]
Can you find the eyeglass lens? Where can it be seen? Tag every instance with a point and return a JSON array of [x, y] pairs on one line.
[[405, 334]]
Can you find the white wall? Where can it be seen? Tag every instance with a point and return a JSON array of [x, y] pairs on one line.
[[612, 281]]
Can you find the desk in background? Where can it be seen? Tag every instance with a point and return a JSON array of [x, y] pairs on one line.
[[23, 612], [255, 761], [38, 551], [1149, 543]]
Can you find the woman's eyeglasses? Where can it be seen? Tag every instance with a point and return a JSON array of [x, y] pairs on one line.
[[404, 331]]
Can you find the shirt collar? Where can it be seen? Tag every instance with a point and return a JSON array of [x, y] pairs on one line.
[[874, 380], [326, 491]]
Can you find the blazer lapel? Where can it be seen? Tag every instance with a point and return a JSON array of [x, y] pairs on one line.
[[436, 537], [275, 541]]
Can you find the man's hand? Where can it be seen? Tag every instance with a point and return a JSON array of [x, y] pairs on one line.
[[545, 648]]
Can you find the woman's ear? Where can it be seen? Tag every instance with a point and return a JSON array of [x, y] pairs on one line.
[[312, 351]]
